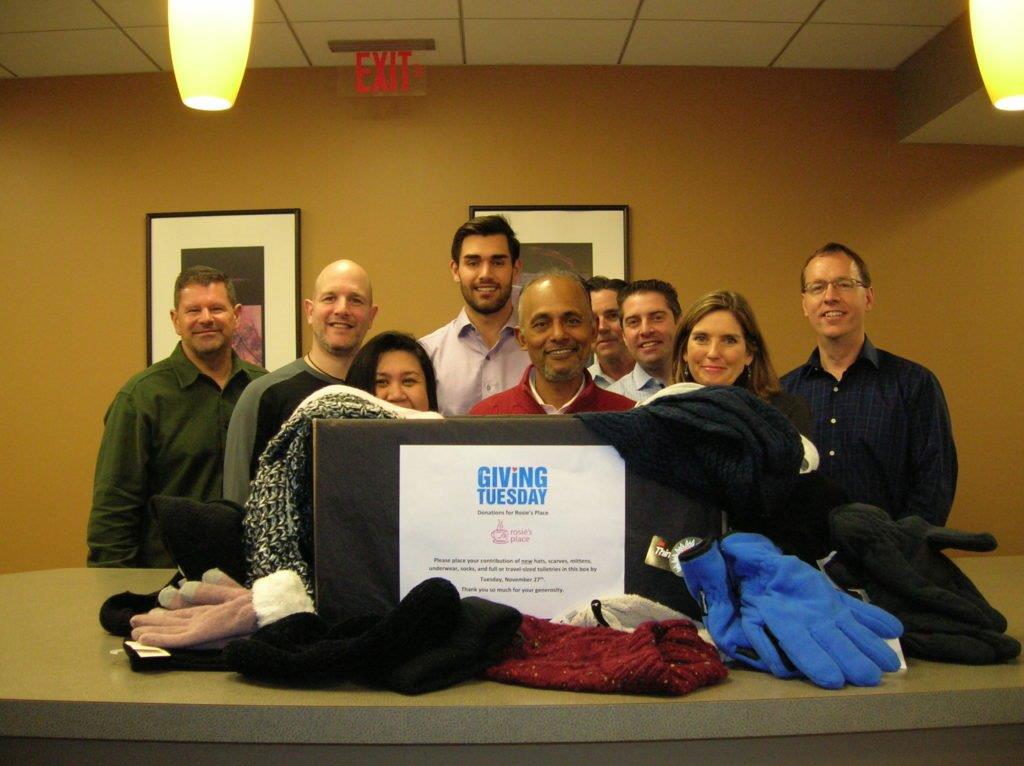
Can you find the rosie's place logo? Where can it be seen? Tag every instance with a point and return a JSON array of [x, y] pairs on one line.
[[511, 484], [500, 535]]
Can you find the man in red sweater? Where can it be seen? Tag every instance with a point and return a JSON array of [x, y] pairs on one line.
[[556, 328]]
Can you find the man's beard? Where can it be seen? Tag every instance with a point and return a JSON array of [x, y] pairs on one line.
[[500, 300], [551, 376], [211, 350]]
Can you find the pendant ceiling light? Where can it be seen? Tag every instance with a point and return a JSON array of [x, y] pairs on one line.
[[209, 49], [998, 30]]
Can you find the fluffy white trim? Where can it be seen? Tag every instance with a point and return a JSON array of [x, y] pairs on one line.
[[399, 412], [278, 595], [811, 459]]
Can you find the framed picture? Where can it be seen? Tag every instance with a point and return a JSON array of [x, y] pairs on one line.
[[258, 249], [587, 239]]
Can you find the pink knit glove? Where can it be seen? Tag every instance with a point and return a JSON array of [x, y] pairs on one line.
[[209, 626], [209, 614], [215, 588]]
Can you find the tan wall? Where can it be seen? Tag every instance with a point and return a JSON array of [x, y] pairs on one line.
[[732, 177]]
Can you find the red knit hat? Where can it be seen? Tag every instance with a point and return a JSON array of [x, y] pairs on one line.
[[657, 658]]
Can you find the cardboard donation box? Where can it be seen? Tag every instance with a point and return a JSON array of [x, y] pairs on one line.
[[534, 512]]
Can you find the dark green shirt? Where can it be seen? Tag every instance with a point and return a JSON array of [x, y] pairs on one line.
[[164, 435]]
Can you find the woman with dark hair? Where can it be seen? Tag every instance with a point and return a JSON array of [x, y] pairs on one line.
[[719, 343], [394, 367]]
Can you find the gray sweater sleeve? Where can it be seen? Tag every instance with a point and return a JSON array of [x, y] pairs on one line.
[[239, 443]]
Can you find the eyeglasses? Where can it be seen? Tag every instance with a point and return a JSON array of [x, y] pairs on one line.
[[843, 285]]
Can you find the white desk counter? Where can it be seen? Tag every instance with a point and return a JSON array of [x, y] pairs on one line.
[[68, 695]]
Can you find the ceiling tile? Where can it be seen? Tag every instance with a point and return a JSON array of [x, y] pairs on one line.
[[728, 10], [153, 13], [42, 15], [707, 43], [86, 51], [445, 32], [908, 12], [137, 13], [343, 10], [854, 46], [272, 46], [843, 33], [549, 9], [544, 41], [154, 41]]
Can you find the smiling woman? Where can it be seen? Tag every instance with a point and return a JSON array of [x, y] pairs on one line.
[[394, 367], [719, 343]]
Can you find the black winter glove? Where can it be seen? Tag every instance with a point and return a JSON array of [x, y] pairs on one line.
[[900, 565], [934, 637]]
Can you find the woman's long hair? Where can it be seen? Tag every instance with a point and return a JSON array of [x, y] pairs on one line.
[[759, 377]]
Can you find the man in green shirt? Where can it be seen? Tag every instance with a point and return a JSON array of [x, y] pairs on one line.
[[164, 432]]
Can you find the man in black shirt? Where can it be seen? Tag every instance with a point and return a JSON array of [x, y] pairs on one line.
[[880, 422], [340, 313]]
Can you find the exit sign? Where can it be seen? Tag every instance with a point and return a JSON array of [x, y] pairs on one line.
[[388, 73]]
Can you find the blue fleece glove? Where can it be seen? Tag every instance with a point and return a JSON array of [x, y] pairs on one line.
[[700, 564], [831, 637]]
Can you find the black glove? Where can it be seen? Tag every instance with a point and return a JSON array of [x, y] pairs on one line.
[[901, 567], [935, 637]]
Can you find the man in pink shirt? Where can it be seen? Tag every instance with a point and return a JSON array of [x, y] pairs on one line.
[[476, 354]]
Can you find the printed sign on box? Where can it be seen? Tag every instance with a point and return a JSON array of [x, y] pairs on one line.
[[541, 528]]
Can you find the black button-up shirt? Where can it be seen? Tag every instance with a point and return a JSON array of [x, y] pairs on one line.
[[883, 432]]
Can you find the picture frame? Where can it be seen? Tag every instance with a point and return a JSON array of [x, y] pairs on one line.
[[586, 239], [258, 249]]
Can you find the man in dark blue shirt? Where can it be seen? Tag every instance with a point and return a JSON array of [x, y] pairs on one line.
[[881, 423]]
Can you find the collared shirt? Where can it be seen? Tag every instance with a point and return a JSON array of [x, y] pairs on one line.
[[521, 399], [883, 432], [550, 409], [164, 434], [600, 379], [467, 370], [637, 385]]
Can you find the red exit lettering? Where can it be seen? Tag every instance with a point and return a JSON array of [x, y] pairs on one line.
[[390, 71]]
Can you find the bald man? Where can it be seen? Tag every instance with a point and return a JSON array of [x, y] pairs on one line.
[[557, 329], [340, 313]]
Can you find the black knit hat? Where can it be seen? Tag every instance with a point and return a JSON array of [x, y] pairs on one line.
[[304, 648], [202, 536], [429, 641]]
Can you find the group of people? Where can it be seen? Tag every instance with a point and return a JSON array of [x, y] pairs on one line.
[[194, 425]]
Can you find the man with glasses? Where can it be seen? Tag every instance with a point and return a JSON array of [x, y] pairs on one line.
[[881, 423]]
